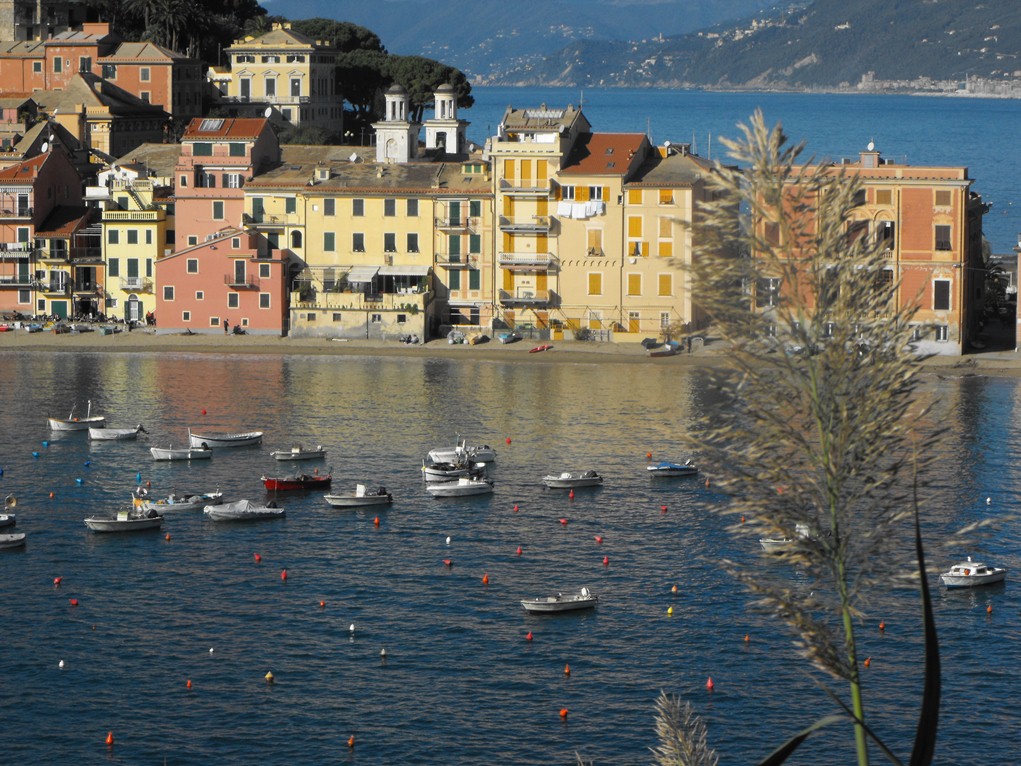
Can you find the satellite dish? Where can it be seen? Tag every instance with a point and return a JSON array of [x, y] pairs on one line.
[[268, 112], [666, 144], [871, 146], [471, 148], [45, 147]]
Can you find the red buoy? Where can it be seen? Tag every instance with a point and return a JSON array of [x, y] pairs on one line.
[[868, 661], [508, 440], [564, 522], [563, 713], [188, 685], [375, 522], [528, 636], [73, 601], [351, 741], [606, 561], [989, 609], [567, 670], [283, 575], [485, 579], [709, 684], [648, 456], [322, 604], [203, 411], [57, 581], [258, 558], [109, 738], [448, 562], [882, 625], [515, 508], [599, 539], [519, 550], [571, 494], [662, 509], [166, 536]]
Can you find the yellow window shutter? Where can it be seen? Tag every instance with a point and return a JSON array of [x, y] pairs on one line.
[[508, 169], [634, 284], [666, 284], [595, 284], [634, 226], [666, 249], [634, 196]]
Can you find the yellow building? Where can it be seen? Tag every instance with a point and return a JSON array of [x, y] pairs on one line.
[[290, 75]]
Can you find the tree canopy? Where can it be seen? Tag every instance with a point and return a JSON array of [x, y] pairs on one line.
[[344, 35]]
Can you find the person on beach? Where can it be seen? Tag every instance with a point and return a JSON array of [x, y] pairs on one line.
[[226, 325]]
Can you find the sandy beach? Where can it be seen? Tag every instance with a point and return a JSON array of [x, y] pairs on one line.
[[1000, 363]]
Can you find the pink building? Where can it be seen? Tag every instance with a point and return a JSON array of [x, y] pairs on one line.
[[227, 280]]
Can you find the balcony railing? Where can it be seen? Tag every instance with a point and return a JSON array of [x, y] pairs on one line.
[[352, 301], [241, 281], [466, 223], [132, 215], [18, 280], [528, 261], [21, 211], [56, 288], [528, 298], [57, 256], [521, 189], [458, 261], [536, 224], [136, 284]]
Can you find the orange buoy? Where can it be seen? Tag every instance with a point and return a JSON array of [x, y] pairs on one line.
[[167, 536], [448, 562], [648, 456], [258, 558], [707, 483], [51, 495], [989, 609], [322, 604], [742, 519], [882, 626], [567, 670], [606, 561], [188, 685], [599, 539], [109, 738], [315, 471], [564, 522], [746, 638], [519, 550], [283, 575], [571, 494], [709, 684], [673, 589], [563, 713], [375, 522], [528, 636], [57, 581], [485, 579], [73, 601], [351, 741], [868, 661]]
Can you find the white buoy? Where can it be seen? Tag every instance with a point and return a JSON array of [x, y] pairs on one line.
[[448, 539], [60, 664], [382, 653], [352, 628], [210, 650], [989, 501]]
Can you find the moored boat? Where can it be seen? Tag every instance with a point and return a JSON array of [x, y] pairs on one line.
[[71, 423], [298, 452], [668, 470], [177, 501], [297, 481], [572, 480], [12, 540], [7, 520], [116, 434], [243, 510], [463, 487], [180, 453], [125, 521], [969, 574], [439, 472], [463, 452], [214, 441], [362, 496], [583, 599]]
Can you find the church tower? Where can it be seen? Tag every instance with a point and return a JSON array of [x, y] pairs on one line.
[[396, 136], [444, 130]]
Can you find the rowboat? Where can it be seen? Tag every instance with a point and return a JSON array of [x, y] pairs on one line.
[[242, 510], [668, 470], [71, 423], [360, 497], [572, 480], [297, 452], [670, 348], [297, 481], [970, 573], [177, 501], [213, 441], [115, 434], [452, 471], [543, 347], [126, 521], [572, 602], [180, 453], [12, 540], [463, 487]]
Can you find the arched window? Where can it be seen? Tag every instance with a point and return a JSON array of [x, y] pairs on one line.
[[295, 240]]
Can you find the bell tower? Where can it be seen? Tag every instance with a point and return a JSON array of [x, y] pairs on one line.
[[444, 130], [396, 135]]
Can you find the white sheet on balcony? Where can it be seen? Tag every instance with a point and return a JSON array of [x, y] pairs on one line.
[[362, 273]]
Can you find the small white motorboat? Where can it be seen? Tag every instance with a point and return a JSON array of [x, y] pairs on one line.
[[12, 540], [452, 471], [243, 510], [177, 501], [298, 452], [463, 452], [7, 520], [180, 453], [214, 441], [970, 573], [583, 599], [126, 521], [360, 497], [71, 423], [116, 434], [780, 544], [668, 470], [572, 480], [463, 487]]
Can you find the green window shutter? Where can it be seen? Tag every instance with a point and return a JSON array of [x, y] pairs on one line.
[[474, 279]]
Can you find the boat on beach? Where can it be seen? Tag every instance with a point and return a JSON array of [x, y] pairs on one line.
[[297, 481], [669, 348], [180, 453], [463, 487], [71, 423], [215, 441], [116, 434], [298, 452], [572, 480], [243, 510], [969, 574], [668, 470], [135, 520], [572, 602], [360, 497]]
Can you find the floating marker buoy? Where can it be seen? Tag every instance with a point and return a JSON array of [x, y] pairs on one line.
[[563, 713], [709, 684], [599, 539], [88, 463], [673, 589], [57, 581], [283, 575], [210, 650], [564, 522], [989, 609], [51, 496], [742, 519], [648, 456], [73, 601], [882, 626], [707, 483], [669, 611], [989, 500], [322, 604], [375, 522], [571, 494], [188, 684], [46, 443], [167, 537], [203, 412], [35, 454], [868, 661], [662, 509], [519, 550], [567, 670], [138, 478], [79, 480], [606, 561], [60, 664], [382, 652], [258, 558], [515, 508], [528, 636], [508, 440], [351, 628], [448, 562], [448, 539], [351, 741], [148, 483], [485, 579], [269, 677], [746, 638], [109, 738]]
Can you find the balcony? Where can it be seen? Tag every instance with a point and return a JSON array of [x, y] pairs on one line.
[[352, 301], [88, 255], [536, 224], [467, 223], [528, 299], [136, 216], [527, 261], [136, 284], [521, 188], [53, 256], [241, 281], [17, 281], [13, 251], [458, 261], [271, 220], [21, 211], [85, 288], [56, 288]]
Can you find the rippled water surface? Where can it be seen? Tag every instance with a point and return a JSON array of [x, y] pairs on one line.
[[460, 683]]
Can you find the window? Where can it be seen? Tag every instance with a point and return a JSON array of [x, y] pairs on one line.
[[377, 318], [148, 237], [455, 280], [168, 292], [634, 196], [84, 63], [271, 87], [389, 242], [231, 180], [295, 240], [634, 226], [402, 318], [233, 300], [290, 205], [58, 65], [144, 96], [185, 316], [264, 271], [113, 237], [329, 206], [143, 74], [567, 192], [193, 240], [214, 321], [337, 316], [358, 242], [264, 300], [884, 197], [941, 295], [474, 244], [295, 87], [217, 210], [200, 295], [666, 284], [859, 198], [942, 333], [270, 59], [412, 242], [236, 149], [389, 207], [329, 241], [412, 208], [192, 265], [666, 249], [885, 234], [235, 243], [474, 279], [37, 68], [244, 58], [595, 284], [202, 149], [357, 207], [943, 198], [475, 208], [295, 58], [310, 317], [666, 196], [113, 267], [943, 237], [767, 292], [634, 284]]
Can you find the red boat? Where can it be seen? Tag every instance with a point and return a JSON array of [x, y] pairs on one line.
[[297, 481], [543, 347]]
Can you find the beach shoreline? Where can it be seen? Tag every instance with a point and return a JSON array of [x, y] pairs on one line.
[[146, 341]]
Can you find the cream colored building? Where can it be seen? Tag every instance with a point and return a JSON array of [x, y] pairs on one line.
[[286, 75]]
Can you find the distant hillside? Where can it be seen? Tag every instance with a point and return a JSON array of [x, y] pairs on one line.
[[823, 45], [486, 36]]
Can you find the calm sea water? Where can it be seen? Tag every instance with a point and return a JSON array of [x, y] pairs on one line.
[[460, 684], [977, 133]]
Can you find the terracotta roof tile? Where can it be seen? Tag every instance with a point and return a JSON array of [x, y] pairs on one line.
[[603, 154], [206, 128]]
